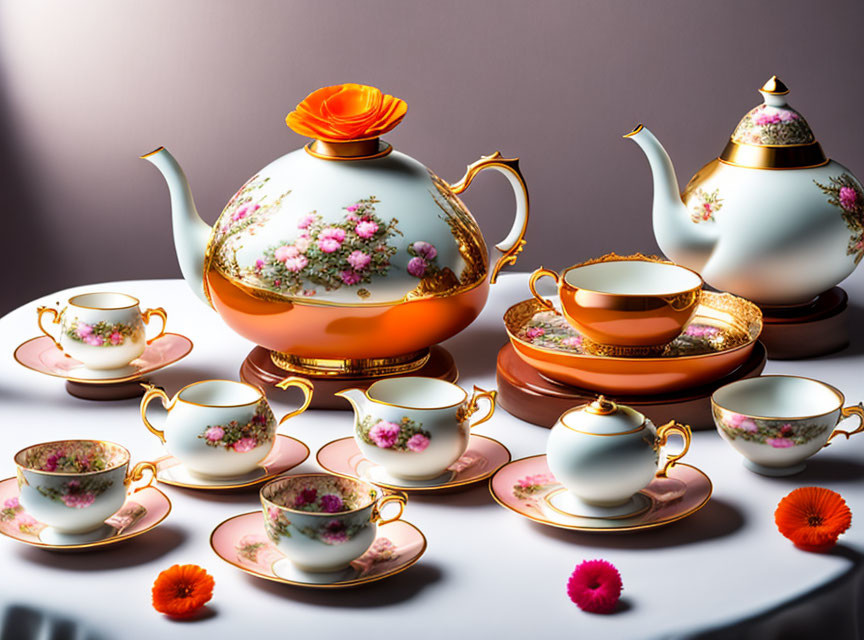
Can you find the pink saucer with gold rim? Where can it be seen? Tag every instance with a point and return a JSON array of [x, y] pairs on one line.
[[241, 541], [142, 511], [286, 454], [483, 457], [527, 487], [42, 355]]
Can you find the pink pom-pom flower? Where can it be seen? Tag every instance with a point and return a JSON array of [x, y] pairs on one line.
[[595, 586]]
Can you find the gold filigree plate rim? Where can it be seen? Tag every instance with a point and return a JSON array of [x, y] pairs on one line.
[[640, 527], [268, 475], [98, 543], [753, 328], [431, 489], [333, 585], [128, 378]]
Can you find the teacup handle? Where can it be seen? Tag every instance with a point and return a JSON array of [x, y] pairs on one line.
[[304, 385], [663, 433], [161, 313], [480, 394], [400, 498], [137, 474], [539, 273], [848, 412], [55, 319], [151, 393]]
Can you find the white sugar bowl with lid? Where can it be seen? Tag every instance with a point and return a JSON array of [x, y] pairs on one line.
[[604, 454]]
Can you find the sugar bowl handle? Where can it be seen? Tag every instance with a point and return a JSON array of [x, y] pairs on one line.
[[848, 412], [399, 498], [55, 319], [511, 246], [663, 433], [159, 312], [151, 392], [532, 284], [305, 386]]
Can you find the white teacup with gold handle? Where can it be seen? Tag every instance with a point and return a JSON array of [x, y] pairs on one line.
[[102, 330], [219, 428], [73, 486]]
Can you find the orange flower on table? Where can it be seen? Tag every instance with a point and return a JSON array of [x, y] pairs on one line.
[[182, 589], [346, 113], [813, 518]]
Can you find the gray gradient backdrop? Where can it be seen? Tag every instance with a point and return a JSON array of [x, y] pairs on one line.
[[87, 86]]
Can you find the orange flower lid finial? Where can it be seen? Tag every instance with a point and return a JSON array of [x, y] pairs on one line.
[[346, 113]]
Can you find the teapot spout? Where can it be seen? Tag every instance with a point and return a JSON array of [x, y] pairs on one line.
[[357, 398], [683, 241], [191, 233]]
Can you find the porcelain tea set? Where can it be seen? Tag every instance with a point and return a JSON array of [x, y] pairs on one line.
[[333, 257]]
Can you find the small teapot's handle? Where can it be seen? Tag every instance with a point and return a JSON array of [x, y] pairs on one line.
[[848, 412], [663, 433], [511, 246]]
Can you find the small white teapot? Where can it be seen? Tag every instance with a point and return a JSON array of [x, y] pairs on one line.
[[604, 453]]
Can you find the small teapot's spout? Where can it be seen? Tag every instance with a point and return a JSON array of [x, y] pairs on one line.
[[357, 398], [679, 238], [191, 233]]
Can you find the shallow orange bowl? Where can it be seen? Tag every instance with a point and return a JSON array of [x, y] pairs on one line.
[[719, 339]]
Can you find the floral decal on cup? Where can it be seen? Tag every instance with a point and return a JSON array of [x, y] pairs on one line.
[[704, 204], [767, 125], [330, 254], [242, 437], [276, 524], [72, 457], [405, 435], [529, 488], [845, 193], [101, 334], [779, 434], [13, 517], [335, 531], [77, 494]]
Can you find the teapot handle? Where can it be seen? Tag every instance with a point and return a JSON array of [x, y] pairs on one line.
[[511, 246]]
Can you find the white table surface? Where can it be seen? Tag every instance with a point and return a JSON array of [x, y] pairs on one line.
[[486, 573]]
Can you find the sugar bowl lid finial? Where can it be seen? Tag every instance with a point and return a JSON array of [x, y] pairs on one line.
[[602, 406]]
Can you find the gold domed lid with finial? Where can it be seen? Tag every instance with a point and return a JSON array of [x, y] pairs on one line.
[[603, 417], [773, 135]]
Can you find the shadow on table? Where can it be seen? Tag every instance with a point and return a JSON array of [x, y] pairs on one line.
[[20, 622], [148, 547], [830, 611], [823, 469], [399, 588], [715, 520], [476, 496]]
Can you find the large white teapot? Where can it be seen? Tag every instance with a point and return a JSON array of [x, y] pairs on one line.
[[772, 219], [345, 255]]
